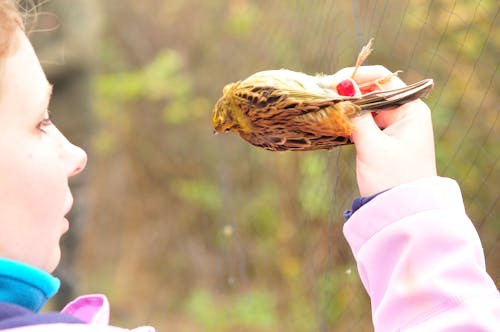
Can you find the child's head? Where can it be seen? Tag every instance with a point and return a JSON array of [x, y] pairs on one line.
[[36, 160]]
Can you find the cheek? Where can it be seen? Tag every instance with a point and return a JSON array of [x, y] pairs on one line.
[[33, 192], [46, 189]]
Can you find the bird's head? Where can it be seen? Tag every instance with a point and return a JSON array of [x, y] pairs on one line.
[[223, 117]]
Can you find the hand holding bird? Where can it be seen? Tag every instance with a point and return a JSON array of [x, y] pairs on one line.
[[283, 110]]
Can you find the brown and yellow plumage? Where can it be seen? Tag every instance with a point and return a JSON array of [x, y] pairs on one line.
[[283, 110]]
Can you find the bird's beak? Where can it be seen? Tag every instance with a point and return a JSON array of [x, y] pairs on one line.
[[215, 132]]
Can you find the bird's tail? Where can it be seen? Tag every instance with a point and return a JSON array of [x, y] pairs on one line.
[[395, 97]]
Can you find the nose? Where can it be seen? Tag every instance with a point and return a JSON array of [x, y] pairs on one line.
[[73, 157], [77, 159]]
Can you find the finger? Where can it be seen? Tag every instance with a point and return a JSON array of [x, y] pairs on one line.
[[386, 117], [415, 111], [365, 73], [366, 131], [369, 74]]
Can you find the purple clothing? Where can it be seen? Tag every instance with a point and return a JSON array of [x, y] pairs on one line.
[[357, 204], [89, 313], [12, 315], [24, 289], [421, 260]]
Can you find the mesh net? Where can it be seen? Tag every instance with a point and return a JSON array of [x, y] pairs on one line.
[[217, 235]]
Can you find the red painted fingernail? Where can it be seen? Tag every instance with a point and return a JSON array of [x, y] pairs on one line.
[[346, 88]]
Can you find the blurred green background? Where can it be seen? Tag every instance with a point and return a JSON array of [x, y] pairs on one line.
[[188, 231]]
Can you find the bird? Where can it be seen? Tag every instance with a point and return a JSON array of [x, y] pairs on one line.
[[285, 110]]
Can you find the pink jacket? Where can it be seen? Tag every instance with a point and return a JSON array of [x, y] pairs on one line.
[[92, 309], [421, 261]]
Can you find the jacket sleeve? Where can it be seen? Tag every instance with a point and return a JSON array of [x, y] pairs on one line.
[[421, 260], [62, 327]]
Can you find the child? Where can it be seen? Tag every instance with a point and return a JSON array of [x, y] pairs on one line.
[[36, 162], [418, 254]]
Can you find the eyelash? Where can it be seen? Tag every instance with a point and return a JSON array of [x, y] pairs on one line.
[[44, 123]]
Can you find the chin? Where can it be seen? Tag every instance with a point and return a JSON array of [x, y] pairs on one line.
[[52, 263]]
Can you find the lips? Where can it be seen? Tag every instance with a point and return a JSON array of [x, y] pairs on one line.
[[68, 203]]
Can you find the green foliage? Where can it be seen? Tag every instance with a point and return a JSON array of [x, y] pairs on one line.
[[104, 142], [242, 18], [301, 310], [201, 307], [262, 215], [253, 311], [200, 192], [185, 108], [329, 300], [163, 81], [314, 196], [160, 79], [335, 291]]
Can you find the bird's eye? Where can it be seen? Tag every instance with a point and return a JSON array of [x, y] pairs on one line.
[[227, 129]]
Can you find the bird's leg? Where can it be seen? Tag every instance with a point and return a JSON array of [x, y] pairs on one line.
[[377, 84], [346, 87], [363, 54]]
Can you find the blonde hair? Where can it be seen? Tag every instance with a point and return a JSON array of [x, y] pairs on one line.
[[10, 20]]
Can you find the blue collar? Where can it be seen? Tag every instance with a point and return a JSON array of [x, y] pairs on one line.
[[25, 285]]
